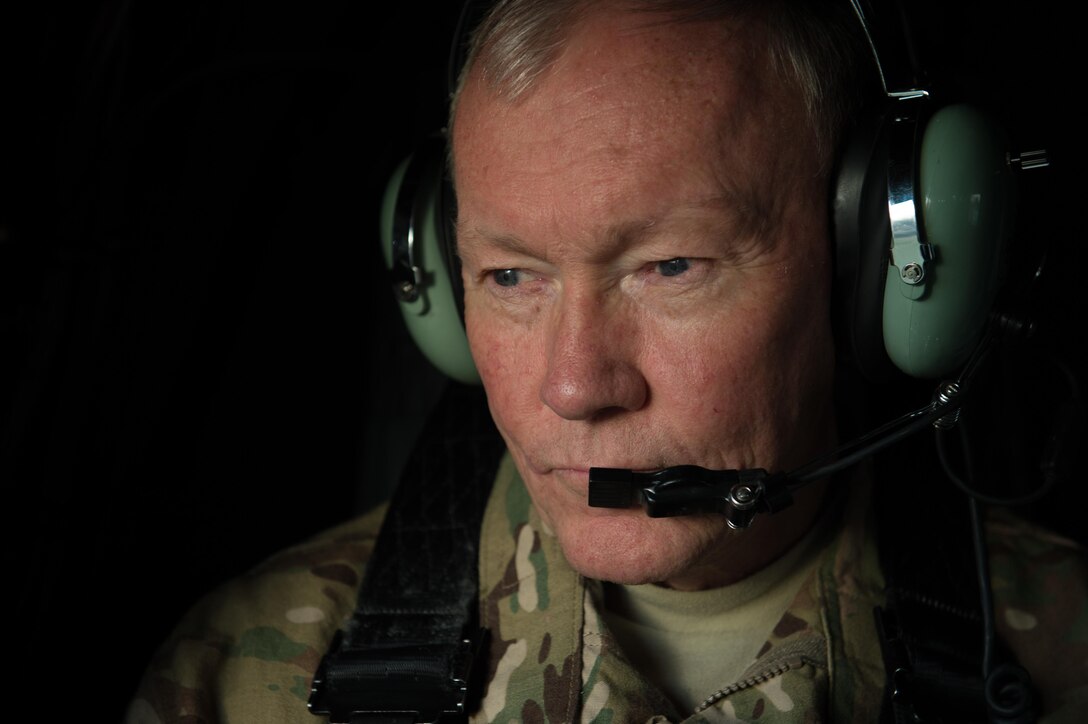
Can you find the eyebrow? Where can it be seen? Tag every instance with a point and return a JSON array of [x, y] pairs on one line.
[[505, 242], [745, 220]]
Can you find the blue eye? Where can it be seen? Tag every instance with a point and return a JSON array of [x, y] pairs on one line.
[[506, 277], [673, 267]]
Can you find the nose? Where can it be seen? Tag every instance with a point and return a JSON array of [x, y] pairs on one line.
[[592, 364]]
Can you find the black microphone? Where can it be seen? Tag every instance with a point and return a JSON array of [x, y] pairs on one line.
[[691, 490], [741, 494]]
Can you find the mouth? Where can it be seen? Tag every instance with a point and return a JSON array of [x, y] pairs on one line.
[[578, 475], [580, 469], [576, 478]]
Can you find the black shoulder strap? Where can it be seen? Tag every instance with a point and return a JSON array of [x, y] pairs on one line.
[[931, 627], [410, 650]]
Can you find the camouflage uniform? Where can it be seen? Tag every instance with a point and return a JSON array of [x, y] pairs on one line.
[[247, 652]]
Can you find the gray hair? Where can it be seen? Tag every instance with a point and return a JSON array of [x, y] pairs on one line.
[[815, 45]]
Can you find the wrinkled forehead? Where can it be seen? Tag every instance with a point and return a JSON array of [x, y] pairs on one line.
[[634, 92], [651, 57]]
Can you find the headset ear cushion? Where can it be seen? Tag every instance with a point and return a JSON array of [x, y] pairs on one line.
[[861, 233], [414, 215]]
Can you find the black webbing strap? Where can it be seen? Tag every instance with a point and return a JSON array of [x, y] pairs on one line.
[[410, 650], [931, 626]]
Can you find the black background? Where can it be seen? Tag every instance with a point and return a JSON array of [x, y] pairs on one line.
[[201, 362]]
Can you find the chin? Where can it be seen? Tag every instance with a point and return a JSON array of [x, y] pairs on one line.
[[632, 549]]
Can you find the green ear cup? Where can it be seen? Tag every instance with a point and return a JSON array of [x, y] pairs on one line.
[[433, 319], [967, 195]]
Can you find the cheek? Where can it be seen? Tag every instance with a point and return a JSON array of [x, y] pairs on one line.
[[752, 376], [706, 384], [507, 359]]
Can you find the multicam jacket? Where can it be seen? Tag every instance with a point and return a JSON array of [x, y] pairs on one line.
[[248, 651]]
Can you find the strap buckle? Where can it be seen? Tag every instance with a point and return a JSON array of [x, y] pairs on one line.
[[420, 683]]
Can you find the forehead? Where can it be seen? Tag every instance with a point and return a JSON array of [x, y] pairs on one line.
[[630, 99]]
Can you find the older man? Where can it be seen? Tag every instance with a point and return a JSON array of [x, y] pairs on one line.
[[642, 194]]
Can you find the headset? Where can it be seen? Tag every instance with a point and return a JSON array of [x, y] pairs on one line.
[[922, 204], [417, 236], [922, 207]]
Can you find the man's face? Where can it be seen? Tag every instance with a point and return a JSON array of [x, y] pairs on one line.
[[646, 273]]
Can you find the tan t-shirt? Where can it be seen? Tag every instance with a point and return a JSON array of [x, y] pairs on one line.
[[692, 643]]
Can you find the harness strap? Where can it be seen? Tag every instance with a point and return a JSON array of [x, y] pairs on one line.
[[411, 650], [931, 628]]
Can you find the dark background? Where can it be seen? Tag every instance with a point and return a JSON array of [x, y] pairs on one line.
[[200, 361]]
